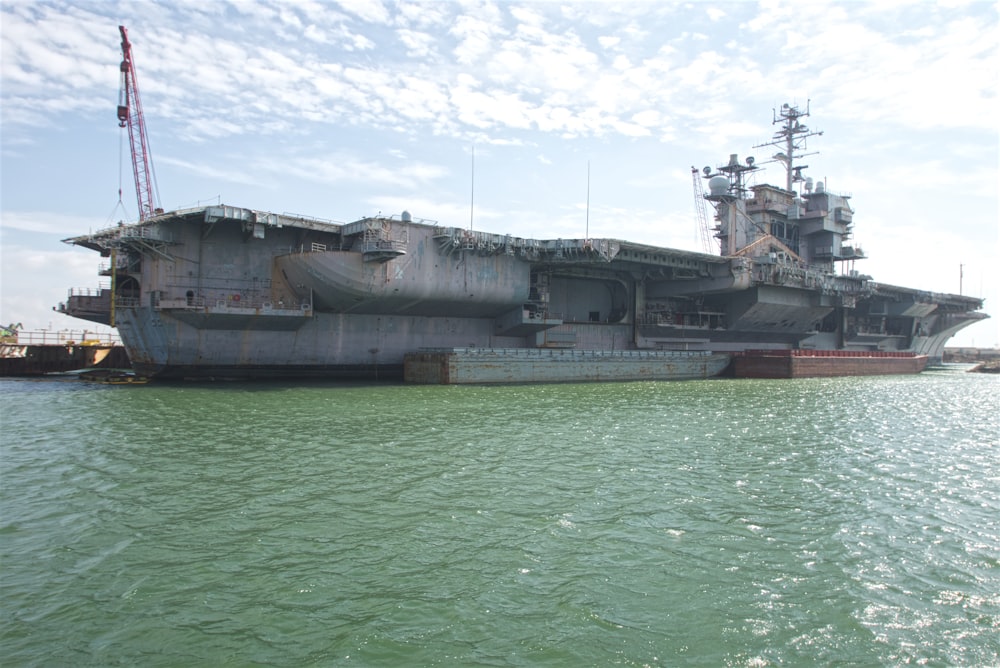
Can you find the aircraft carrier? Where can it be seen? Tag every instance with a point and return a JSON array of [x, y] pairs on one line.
[[229, 292]]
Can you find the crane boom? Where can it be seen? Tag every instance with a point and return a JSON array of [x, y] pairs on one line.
[[699, 211], [130, 116]]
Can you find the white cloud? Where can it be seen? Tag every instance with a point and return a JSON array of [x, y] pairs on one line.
[[203, 169], [35, 281], [609, 41], [475, 35], [715, 14], [371, 11], [423, 15], [251, 83], [315, 34], [419, 44], [345, 168], [43, 222]]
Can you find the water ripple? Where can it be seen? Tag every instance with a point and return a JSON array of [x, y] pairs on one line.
[[737, 523]]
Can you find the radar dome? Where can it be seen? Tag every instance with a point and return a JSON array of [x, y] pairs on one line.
[[718, 185], [406, 217]]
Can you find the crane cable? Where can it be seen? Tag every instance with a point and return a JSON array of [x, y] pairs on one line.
[[121, 176], [121, 159]]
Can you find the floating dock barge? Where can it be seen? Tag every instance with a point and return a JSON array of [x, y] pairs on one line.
[[527, 365], [41, 352], [824, 363]]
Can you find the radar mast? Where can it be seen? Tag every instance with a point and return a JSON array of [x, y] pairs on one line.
[[791, 139]]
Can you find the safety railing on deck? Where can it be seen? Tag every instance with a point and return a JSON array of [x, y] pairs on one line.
[[66, 337], [86, 292]]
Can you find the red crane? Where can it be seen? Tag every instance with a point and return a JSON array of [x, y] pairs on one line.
[[130, 115], [702, 216]]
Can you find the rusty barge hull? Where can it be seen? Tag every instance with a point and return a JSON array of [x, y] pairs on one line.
[[823, 364]]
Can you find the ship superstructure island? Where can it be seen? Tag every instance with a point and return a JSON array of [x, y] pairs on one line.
[[228, 292]]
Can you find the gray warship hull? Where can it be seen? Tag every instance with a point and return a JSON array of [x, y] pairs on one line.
[[230, 293]]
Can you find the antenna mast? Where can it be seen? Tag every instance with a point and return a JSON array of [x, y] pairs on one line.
[[130, 115], [791, 137], [472, 189]]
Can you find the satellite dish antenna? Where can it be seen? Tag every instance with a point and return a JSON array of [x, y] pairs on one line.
[[750, 161]]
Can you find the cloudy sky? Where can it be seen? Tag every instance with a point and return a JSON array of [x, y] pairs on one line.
[[498, 115]]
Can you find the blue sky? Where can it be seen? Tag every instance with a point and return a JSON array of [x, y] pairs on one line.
[[340, 110]]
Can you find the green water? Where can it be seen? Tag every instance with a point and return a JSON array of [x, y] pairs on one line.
[[716, 523]]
